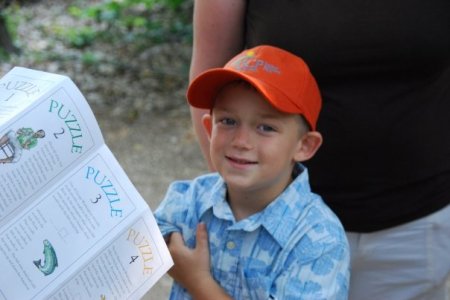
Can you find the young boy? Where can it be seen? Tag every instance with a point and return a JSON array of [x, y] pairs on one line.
[[254, 230]]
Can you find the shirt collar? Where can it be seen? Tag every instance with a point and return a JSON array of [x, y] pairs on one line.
[[279, 218], [215, 198]]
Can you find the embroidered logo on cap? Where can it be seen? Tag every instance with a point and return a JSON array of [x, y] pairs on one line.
[[248, 63]]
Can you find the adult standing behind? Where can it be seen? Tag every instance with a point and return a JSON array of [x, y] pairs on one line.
[[384, 168]]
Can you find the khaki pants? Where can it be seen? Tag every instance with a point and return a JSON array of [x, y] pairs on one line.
[[410, 261]]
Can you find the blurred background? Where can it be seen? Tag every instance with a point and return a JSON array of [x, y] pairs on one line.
[[130, 59]]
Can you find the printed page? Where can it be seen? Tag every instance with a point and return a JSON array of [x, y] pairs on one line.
[[126, 269], [46, 129], [90, 236], [20, 87]]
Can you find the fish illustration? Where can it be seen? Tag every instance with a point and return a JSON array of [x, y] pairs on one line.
[[50, 259]]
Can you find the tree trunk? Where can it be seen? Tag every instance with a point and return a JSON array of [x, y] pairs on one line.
[[6, 42]]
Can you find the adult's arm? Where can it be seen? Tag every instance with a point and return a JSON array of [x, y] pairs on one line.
[[219, 27]]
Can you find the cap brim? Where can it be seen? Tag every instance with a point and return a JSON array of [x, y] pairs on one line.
[[203, 91]]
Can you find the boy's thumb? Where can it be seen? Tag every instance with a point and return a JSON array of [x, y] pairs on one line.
[[202, 236], [176, 239]]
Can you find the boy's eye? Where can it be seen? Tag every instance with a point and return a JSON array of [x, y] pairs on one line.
[[227, 121], [266, 128]]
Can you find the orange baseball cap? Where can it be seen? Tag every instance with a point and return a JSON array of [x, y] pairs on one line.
[[281, 77]]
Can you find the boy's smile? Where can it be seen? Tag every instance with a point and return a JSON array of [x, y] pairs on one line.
[[253, 146], [238, 162]]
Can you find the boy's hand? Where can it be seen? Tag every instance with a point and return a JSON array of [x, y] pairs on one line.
[[192, 266]]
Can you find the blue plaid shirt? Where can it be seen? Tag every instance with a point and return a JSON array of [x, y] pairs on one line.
[[295, 248]]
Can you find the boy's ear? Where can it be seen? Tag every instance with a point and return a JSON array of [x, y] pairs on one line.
[[308, 146], [207, 124]]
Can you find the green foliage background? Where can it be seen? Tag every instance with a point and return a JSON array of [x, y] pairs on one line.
[[135, 23], [132, 21], [129, 57]]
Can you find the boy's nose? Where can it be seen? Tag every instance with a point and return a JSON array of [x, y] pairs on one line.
[[242, 138]]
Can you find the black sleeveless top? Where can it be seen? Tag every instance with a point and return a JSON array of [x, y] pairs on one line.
[[384, 71]]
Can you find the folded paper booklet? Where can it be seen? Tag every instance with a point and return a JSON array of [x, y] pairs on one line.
[[72, 225]]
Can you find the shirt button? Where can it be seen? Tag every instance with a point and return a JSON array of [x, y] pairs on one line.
[[231, 245]]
